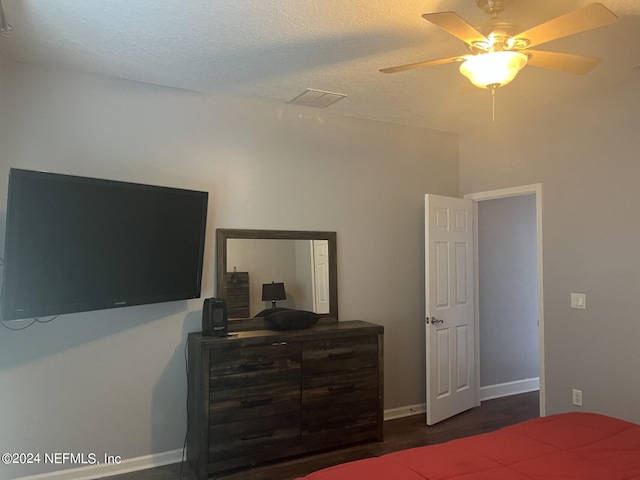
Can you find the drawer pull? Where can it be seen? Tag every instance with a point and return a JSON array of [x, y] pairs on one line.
[[252, 365], [256, 436], [339, 355], [256, 402], [342, 388], [278, 344]]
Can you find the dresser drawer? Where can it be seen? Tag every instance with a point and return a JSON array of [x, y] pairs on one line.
[[254, 437], [323, 391], [345, 402], [238, 303], [343, 417], [237, 294], [341, 424], [254, 401], [264, 360], [334, 355]]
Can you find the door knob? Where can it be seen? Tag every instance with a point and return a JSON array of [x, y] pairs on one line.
[[435, 320]]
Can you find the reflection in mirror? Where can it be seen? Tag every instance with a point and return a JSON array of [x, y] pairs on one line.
[[293, 263], [304, 262]]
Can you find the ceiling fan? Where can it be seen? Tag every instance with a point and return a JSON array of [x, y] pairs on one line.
[[500, 49]]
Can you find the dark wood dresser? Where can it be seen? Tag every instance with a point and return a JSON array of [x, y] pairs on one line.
[[262, 395], [237, 294]]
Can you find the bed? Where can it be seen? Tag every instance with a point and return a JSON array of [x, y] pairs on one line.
[[567, 446]]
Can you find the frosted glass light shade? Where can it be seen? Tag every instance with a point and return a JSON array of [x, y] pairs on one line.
[[493, 69]]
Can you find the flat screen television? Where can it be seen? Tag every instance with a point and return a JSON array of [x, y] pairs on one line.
[[75, 244]]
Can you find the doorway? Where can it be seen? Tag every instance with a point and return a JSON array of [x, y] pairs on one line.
[[533, 193]]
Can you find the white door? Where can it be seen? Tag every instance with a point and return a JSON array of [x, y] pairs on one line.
[[320, 276], [449, 307]]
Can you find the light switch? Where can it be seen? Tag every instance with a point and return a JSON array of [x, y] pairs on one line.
[[579, 300]]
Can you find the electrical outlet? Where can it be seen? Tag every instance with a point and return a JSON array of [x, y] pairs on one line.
[[577, 397]]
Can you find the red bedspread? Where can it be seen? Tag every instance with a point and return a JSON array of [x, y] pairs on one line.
[[568, 446]]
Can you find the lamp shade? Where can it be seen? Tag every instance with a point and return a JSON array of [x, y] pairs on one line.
[[493, 69], [273, 291]]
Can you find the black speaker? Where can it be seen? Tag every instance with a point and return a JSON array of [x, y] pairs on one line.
[[214, 317]]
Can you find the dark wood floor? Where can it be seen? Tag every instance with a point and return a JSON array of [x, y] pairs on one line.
[[399, 434]]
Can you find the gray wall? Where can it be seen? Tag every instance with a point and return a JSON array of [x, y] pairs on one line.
[[508, 284], [585, 154], [113, 381]]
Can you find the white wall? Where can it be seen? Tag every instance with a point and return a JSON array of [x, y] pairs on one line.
[[113, 381], [585, 154]]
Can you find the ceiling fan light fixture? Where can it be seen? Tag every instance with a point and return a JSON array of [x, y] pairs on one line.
[[493, 69]]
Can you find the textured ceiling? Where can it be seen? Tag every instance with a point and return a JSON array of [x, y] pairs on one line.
[[274, 49]]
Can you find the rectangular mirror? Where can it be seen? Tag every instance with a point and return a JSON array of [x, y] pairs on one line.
[[260, 269]]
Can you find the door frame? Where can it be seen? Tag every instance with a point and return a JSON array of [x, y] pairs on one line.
[[533, 189]]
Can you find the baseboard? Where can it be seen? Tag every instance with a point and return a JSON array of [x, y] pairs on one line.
[[486, 393], [401, 412], [106, 470], [509, 388]]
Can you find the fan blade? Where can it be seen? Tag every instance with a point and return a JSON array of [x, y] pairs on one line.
[[456, 26], [563, 62], [592, 16], [428, 63]]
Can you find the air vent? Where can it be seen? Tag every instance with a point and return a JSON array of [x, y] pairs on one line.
[[317, 98]]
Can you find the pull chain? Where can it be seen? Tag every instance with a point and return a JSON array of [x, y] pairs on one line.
[[493, 105], [493, 88]]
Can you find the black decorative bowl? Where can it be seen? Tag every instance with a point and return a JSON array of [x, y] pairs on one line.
[[290, 320]]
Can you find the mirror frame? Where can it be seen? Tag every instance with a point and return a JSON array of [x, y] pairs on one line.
[[224, 234]]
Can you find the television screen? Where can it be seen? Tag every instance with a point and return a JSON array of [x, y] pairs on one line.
[[75, 244]]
